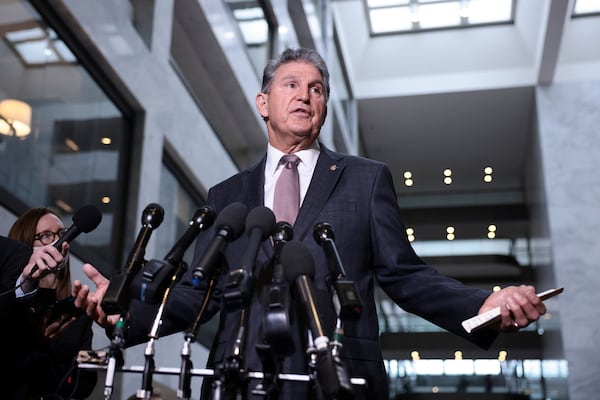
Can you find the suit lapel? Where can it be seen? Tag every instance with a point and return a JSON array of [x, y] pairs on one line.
[[327, 173]]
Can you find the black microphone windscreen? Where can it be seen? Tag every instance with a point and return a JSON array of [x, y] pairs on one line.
[[233, 216], [283, 231], [296, 260], [87, 218], [262, 218], [153, 215], [203, 216]]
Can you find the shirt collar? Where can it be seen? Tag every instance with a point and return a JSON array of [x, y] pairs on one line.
[[307, 157]]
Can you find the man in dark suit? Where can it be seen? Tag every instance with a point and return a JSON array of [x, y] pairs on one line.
[[357, 197]]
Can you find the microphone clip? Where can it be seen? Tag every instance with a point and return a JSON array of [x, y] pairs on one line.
[[150, 284], [238, 290], [350, 305]]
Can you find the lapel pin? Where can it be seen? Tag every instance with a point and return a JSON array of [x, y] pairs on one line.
[[333, 167]]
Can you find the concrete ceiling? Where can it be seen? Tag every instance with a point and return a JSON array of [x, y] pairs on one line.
[[461, 99]]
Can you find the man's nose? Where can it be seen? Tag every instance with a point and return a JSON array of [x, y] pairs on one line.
[[303, 94]]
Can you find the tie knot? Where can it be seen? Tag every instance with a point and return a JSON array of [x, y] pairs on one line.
[[290, 160]]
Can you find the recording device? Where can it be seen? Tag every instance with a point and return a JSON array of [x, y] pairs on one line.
[[260, 224], [299, 269], [85, 220], [117, 296], [229, 226], [276, 320], [151, 282], [349, 304]]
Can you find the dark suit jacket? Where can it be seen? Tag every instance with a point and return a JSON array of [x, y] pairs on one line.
[[357, 197]]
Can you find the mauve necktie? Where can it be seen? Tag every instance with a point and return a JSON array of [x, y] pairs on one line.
[[286, 199]]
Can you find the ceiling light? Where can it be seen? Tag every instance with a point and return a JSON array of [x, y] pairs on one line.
[[410, 233], [447, 174], [71, 144], [63, 205], [502, 355], [15, 118]]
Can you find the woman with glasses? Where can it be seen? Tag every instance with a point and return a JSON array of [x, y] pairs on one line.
[[51, 335], [39, 228]]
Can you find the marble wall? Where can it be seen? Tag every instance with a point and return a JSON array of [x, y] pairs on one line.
[[568, 117]]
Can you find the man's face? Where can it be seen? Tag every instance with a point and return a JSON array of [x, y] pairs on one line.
[[295, 106]]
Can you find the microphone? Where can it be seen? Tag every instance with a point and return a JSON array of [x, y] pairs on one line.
[[283, 234], [348, 301], [203, 218], [150, 284], [116, 299], [230, 225], [276, 320], [260, 224], [299, 269], [85, 220]]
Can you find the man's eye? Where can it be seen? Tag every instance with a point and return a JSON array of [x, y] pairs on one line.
[[316, 90]]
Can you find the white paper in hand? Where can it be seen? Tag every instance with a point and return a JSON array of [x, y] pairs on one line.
[[492, 316]]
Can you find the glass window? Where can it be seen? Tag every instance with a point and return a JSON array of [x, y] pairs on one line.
[[180, 203], [62, 137], [257, 29]]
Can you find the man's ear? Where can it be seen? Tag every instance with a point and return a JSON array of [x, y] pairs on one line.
[[261, 104]]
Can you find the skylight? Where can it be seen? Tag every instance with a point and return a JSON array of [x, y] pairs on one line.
[[586, 7], [397, 16], [37, 46]]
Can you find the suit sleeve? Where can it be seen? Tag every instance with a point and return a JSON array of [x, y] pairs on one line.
[[415, 286]]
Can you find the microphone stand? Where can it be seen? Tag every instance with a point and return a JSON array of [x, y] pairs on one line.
[[146, 391], [232, 376], [115, 359], [331, 376], [277, 334], [184, 390]]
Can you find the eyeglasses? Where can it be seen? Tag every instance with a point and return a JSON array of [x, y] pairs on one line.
[[48, 237]]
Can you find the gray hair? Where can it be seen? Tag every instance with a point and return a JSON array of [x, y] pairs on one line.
[[290, 55]]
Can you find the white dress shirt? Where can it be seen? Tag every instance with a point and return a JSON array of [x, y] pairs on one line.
[[306, 167]]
